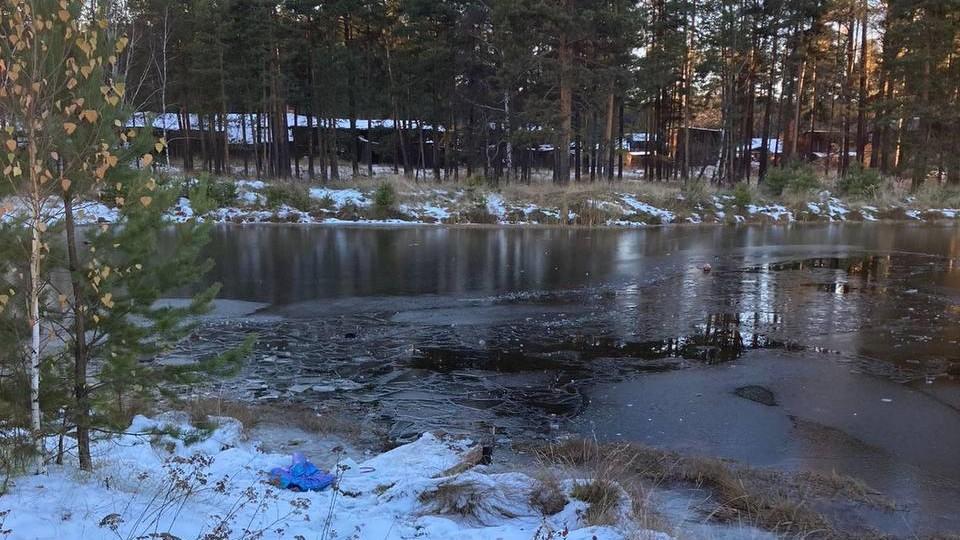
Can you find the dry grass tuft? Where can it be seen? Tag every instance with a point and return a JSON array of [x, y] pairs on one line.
[[932, 195], [603, 497], [642, 511], [465, 498], [772, 500], [547, 496], [570, 452], [591, 213], [282, 414], [202, 408], [605, 466], [841, 485]]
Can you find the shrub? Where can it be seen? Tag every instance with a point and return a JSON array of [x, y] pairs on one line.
[[206, 193], [742, 195], [934, 195], [795, 178], [695, 192], [290, 194], [327, 203], [349, 212], [476, 180], [224, 193], [384, 200], [860, 182]]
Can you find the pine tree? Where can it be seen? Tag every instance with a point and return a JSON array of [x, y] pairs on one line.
[[74, 146]]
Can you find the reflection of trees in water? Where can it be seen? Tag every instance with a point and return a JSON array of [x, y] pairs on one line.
[[287, 264], [726, 336], [868, 268]]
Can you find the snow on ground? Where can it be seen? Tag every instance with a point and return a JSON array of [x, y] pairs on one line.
[[149, 483], [341, 197], [776, 212], [665, 216], [434, 212], [181, 212], [251, 198], [14, 209], [836, 209], [255, 185], [495, 206], [432, 206]]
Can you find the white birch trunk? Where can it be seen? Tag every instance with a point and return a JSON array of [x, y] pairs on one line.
[[35, 344]]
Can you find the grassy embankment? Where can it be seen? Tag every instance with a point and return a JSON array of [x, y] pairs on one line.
[[797, 194]]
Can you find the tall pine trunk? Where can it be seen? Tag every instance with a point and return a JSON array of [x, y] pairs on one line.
[[862, 98], [81, 412], [566, 105]]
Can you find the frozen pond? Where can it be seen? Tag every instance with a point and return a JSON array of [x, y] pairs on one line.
[[827, 347]]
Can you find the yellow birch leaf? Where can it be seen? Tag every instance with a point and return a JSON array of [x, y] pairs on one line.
[[71, 83], [69, 127], [90, 115], [65, 184], [107, 300], [145, 201], [147, 160], [11, 145]]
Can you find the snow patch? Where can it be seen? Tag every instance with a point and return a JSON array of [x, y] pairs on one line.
[[341, 197], [387, 496], [495, 205], [636, 206]]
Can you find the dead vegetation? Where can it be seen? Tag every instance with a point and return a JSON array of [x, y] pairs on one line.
[[547, 495], [779, 502], [281, 414], [610, 500], [466, 499], [603, 498]]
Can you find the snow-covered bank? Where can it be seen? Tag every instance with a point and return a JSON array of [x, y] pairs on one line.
[[148, 483], [614, 206]]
